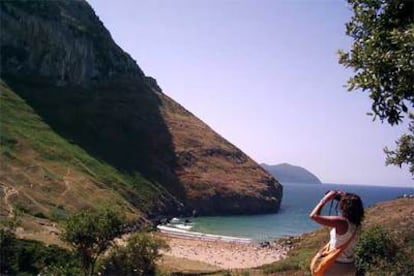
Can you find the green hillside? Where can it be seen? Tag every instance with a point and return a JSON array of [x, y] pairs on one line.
[[47, 176]]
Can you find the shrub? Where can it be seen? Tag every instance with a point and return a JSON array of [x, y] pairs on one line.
[[62, 269], [379, 253], [58, 214], [138, 257], [40, 215], [26, 257], [8, 262]]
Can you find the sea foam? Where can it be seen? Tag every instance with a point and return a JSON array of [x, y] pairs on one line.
[[182, 233]]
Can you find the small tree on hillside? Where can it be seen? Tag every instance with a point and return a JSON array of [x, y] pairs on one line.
[[137, 257], [382, 56], [91, 233]]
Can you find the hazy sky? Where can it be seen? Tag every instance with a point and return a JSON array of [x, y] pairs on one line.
[[263, 74]]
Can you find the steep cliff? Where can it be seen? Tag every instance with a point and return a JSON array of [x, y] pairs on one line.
[[61, 60], [62, 41]]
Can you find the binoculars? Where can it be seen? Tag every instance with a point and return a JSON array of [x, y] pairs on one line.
[[338, 195]]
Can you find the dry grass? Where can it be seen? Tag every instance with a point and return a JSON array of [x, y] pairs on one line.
[[214, 166], [395, 215]]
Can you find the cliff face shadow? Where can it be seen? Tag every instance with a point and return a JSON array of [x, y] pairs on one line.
[[59, 57], [116, 121]]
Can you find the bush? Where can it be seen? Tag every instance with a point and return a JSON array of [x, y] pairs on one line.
[[40, 215], [23, 257], [8, 262], [379, 253], [138, 257], [62, 269]]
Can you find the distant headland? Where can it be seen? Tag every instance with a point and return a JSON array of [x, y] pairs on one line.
[[286, 173]]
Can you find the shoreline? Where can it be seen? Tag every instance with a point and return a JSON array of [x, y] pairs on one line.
[[184, 234], [222, 253]]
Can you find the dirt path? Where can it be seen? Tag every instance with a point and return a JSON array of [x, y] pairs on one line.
[[66, 182], [8, 192]]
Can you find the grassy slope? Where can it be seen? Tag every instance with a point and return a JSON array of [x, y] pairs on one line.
[[45, 176], [211, 167]]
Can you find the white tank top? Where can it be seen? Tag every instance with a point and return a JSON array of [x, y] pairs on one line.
[[336, 240]]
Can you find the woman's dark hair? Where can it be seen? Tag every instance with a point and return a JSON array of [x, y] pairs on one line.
[[352, 208]]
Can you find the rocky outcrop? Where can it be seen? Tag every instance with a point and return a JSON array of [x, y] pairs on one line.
[[63, 41], [58, 56]]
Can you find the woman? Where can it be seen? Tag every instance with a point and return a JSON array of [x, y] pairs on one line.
[[344, 232]]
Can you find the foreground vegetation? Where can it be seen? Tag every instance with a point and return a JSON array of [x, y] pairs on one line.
[[91, 235], [381, 56], [28, 257]]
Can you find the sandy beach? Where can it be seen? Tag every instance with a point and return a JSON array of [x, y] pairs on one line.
[[224, 254]]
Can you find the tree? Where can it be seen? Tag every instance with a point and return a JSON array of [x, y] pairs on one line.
[[91, 233], [137, 257], [405, 149], [8, 256], [382, 56]]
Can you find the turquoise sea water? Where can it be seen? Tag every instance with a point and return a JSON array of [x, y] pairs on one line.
[[298, 201]]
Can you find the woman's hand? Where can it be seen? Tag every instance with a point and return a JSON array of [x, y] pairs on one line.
[[329, 196], [341, 193]]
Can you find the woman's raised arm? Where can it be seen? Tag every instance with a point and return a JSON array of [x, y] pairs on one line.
[[337, 222]]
